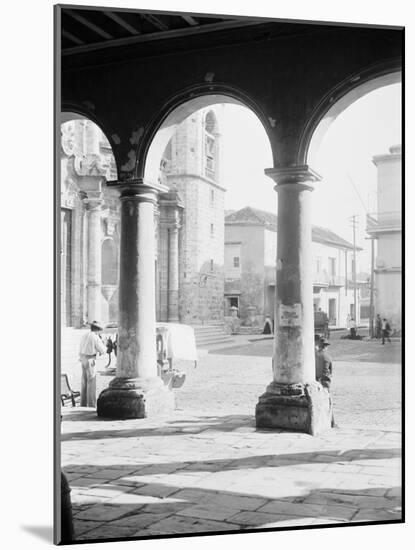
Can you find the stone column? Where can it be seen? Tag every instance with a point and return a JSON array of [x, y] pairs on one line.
[[171, 207], [90, 186], [294, 400], [136, 391], [173, 279], [94, 212]]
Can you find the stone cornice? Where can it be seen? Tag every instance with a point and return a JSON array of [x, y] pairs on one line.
[[387, 157], [196, 176]]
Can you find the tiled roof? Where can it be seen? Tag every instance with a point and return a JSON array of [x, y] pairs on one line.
[[254, 216]]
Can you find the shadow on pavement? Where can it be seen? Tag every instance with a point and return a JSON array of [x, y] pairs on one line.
[[185, 510], [224, 464], [187, 427]]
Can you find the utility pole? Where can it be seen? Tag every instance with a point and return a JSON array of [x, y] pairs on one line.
[[372, 285], [354, 224]]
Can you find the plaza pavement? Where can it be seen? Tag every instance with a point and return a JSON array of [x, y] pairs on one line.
[[206, 468]]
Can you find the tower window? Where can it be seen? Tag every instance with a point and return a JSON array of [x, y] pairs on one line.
[[210, 144], [212, 229], [210, 122]]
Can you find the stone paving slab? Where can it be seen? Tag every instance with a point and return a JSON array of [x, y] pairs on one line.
[[146, 477]]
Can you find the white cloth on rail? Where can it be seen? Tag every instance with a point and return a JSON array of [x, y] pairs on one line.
[[179, 340]]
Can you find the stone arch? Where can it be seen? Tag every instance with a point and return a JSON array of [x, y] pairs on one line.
[[182, 105], [339, 99]]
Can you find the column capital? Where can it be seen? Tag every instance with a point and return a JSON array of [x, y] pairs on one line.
[[293, 175], [93, 203], [138, 189], [171, 207], [171, 199]]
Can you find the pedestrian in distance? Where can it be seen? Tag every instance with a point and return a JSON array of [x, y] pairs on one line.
[[324, 370], [268, 329], [90, 346], [353, 329], [317, 338], [386, 330], [378, 326]]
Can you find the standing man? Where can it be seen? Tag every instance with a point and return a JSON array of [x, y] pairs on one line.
[[386, 330], [324, 370], [91, 345]]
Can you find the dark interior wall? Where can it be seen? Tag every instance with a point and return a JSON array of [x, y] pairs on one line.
[[129, 90]]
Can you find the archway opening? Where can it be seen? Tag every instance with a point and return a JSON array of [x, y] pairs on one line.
[[356, 149], [211, 153], [89, 217]]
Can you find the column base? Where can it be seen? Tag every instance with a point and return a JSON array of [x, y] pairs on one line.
[[135, 398], [298, 407]]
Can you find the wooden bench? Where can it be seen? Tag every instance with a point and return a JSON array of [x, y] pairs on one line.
[[67, 393]]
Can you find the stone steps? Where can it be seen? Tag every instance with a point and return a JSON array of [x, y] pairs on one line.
[[250, 330], [211, 335]]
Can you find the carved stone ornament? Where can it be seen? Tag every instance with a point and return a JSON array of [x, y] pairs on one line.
[[90, 165], [69, 194], [68, 143], [110, 225]]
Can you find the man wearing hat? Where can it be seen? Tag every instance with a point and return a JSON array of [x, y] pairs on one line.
[[324, 369], [90, 346], [323, 363]]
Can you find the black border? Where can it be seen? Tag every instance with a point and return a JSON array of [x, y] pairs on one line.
[[57, 8]]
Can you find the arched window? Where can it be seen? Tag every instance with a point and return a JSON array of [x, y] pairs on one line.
[[210, 122], [109, 262]]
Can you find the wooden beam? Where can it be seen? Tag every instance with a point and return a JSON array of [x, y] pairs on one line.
[[189, 19], [173, 33], [72, 37], [121, 22], [81, 19], [155, 21]]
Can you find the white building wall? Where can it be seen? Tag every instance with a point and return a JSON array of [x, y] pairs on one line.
[[270, 248], [389, 251], [388, 273], [335, 288], [232, 251]]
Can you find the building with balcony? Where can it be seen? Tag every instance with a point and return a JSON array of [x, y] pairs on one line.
[[250, 269], [385, 226]]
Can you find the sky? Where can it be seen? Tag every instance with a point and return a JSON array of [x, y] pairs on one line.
[[344, 159]]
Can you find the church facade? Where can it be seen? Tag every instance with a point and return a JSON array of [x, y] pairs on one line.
[[188, 231]]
